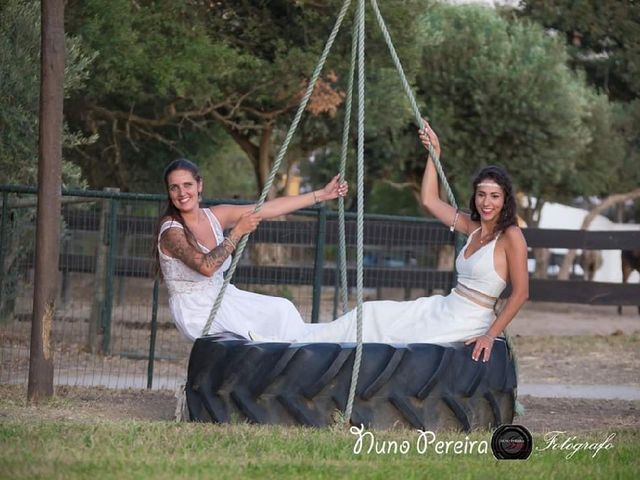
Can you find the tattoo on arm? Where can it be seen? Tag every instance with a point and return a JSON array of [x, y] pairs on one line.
[[175, 242], [216, 257], [234, 237]]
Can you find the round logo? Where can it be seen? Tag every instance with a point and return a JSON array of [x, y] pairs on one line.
[[511, 442]]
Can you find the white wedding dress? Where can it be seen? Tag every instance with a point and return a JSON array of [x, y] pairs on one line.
[[465, 313], [192, 295]]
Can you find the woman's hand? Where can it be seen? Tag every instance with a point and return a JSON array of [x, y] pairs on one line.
[[483, 342], [333, 189], [247, 223], [428, 137]]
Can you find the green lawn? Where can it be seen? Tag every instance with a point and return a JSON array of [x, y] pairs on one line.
[[62, 448]]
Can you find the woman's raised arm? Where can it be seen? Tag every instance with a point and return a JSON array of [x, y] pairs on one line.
[[430, 194]]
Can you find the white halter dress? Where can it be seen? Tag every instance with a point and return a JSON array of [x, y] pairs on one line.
[[465, 313], [192, 295]]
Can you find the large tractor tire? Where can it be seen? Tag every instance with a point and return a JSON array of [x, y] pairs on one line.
[[414, 385]]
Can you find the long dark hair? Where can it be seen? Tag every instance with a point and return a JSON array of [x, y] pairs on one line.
[[171, 211], [507, 216]]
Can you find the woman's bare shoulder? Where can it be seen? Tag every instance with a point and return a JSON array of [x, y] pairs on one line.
[[472, 225], [514, 237]]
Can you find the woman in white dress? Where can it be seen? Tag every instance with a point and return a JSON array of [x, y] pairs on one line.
[[495, 252], [193, 253]]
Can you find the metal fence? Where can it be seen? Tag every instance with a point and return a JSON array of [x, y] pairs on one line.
[[112, 325]]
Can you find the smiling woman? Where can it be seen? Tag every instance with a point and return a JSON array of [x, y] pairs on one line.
[[495, 253], [193, 253]]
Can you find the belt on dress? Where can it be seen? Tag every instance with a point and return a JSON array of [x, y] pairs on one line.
[[475, 296]]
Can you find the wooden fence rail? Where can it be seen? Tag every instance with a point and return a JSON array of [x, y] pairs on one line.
[[405, 236]]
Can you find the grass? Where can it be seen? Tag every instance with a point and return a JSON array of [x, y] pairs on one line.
[[62, 438], [158, 450]]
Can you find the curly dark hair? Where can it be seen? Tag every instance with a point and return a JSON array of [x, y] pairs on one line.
[[171, 211], [508, 213]]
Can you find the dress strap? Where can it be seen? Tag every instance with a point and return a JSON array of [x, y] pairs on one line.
[[471, 235], [464, 249], [167, 225], [215, 225]]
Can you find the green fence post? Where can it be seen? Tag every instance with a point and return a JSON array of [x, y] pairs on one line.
[[99, 277], [3, 247], [336, 284], [318, 266], [112, 243], [154, 331], [336, 289], [3, 230]]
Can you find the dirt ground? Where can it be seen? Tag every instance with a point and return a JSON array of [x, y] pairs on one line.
[[92, 404], [577, 344], [555, 344], [545, 318]]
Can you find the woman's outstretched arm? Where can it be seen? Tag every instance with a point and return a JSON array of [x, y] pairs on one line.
[[230, 214]]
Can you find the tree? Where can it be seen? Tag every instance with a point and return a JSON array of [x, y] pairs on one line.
[[626, 121], [20, 93], [603, 39], [50, 121], [389, 136], [20, 30], [501, 92], [165, 68]]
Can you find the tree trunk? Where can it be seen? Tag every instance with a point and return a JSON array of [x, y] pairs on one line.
[[52, 60], [565, 268], [265, 162]]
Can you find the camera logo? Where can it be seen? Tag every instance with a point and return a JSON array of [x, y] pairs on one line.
[[511, 442]]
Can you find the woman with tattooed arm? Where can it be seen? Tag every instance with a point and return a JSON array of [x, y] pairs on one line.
[[193, 253]]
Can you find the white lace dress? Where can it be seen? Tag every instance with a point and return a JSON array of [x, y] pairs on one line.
[[191, 297], [436, 319]]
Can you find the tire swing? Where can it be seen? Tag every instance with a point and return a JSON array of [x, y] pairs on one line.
[[423, 386]]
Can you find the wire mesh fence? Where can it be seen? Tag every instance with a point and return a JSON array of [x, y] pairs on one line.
[[112, 325]]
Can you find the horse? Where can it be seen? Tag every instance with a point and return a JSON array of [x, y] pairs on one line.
[[630, 262]]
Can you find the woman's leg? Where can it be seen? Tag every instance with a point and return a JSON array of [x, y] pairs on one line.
[[382, 321]]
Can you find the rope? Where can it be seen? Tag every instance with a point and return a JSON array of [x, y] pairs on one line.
[[358, 41], [278, 160], [360, 214], [414, 105], [342, 243]]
